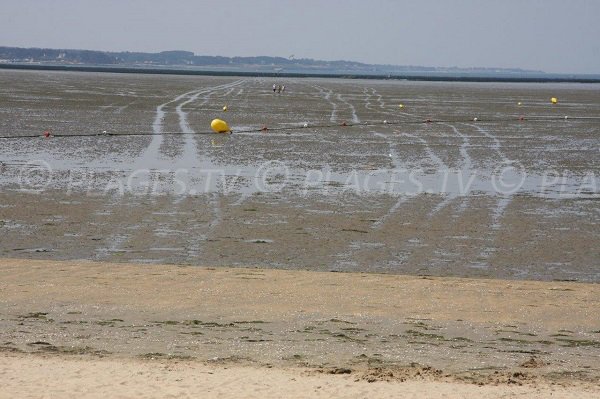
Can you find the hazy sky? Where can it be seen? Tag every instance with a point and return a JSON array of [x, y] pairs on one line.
[[548, 35]]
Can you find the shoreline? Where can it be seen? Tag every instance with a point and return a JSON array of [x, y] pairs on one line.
[[229, 73], [366, 327]]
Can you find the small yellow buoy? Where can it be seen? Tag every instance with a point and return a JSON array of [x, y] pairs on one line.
[[219, 126], [519, 103], [554, 100], [225, 108], [401, 106]]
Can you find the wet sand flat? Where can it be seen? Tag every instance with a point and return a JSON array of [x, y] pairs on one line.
[[499, 197]]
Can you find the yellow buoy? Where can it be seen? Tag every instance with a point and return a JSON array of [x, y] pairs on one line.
[[554, 100], [225, 108], [219, 126], [401, 106], [519, 103]]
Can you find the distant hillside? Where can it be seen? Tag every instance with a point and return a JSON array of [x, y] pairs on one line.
[[16, 55]]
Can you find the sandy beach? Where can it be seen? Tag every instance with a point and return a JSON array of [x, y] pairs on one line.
[[351, 238], [277, 199], [98, 329], [52, 377]]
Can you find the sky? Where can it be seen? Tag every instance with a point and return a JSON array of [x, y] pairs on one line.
[[558, 36]]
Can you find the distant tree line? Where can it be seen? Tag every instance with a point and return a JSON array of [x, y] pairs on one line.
[[179, 58], [16, 54]]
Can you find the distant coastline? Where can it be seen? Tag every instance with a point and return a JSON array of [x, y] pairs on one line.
[[432, 77], [187, 63]]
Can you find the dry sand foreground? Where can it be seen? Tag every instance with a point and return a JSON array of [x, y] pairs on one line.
[[56, 377], [83, 329]]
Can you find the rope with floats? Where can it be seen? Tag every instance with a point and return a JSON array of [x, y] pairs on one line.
[[264, 128]]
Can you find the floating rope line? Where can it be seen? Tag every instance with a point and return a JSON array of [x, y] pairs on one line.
[[538, 118]]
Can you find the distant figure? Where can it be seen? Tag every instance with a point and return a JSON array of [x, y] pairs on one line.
[[274, 87], [282, 88], [278, 89]]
